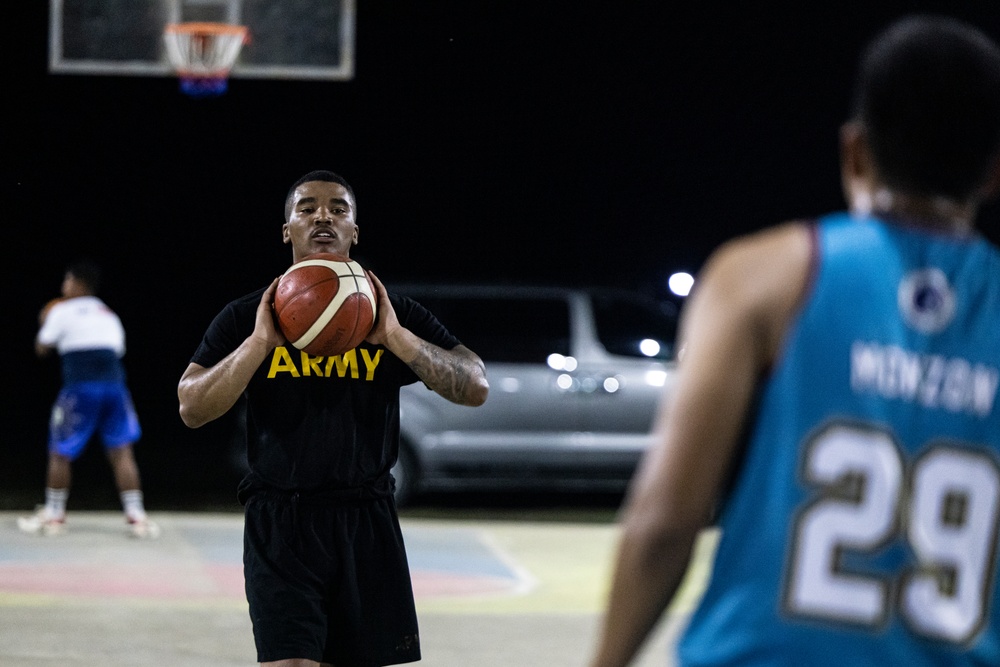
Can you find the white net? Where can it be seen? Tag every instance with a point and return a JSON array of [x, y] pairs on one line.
[[203, 49]]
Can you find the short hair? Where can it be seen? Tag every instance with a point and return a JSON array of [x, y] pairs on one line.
[[317, 175], [928, 98], [87, 272]]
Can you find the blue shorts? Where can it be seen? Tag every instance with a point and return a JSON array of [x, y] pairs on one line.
[[84, 408]]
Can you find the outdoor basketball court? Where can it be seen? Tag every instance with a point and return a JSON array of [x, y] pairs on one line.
[[488, 593]]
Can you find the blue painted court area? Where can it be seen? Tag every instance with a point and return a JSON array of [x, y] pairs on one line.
[[460, 561]]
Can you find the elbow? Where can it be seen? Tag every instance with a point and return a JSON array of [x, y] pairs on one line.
[[653, 546], [190, 418], [656, 536], [191, 405], [478, 393], [188, 408]]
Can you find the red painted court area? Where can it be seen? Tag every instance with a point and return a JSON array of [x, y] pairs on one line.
[[117, 580]]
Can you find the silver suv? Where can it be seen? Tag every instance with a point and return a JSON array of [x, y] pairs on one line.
[[575, 379]]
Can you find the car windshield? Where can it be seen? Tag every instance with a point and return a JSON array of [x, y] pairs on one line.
[[522, 330], [631, 326]]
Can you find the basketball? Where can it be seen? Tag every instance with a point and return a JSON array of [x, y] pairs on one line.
[[325, 304]]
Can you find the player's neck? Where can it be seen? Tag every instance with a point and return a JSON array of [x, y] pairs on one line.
[[934, 213]]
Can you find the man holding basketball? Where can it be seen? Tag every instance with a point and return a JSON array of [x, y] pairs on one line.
[[835, 410], [325, 566]]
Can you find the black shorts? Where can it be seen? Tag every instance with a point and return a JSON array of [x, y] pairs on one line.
[[328, 582]]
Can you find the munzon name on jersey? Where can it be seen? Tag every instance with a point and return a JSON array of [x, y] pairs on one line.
[[953, 384], [283, 361]]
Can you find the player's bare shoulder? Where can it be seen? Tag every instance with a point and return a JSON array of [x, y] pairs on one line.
[[765, 263], [765, 274]]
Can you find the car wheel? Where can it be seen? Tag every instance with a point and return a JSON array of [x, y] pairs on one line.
[[405, 475]]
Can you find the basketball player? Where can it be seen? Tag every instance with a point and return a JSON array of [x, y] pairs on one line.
[[94, 398], [860, 355], [324, 561]]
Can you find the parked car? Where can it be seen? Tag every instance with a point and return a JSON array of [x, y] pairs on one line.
[[575, 377]]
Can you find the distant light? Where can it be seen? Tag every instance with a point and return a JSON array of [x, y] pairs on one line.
[[510, 385], [611, 385], [564, 381], [680, 283], [656, 378], [558, 362], [649, 347]]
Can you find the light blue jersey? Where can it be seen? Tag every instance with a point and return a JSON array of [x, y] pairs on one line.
[[862, 525]]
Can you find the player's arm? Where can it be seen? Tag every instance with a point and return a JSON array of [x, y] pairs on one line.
[[731, 331], [208, 393], [44, 345], [457, 374]]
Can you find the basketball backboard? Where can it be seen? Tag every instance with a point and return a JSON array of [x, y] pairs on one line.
[[288, 39]]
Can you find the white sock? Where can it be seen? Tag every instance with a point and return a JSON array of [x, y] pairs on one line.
[[55, 502], [133, 505]]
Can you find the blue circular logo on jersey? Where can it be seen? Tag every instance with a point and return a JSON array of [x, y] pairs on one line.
[[926, 300]]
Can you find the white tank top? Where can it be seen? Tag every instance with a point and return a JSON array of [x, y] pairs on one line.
[[82, 323]]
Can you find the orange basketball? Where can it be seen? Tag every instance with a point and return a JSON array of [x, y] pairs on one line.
[[325, 304]]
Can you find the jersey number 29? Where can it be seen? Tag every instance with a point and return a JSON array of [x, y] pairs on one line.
[[945, 504]]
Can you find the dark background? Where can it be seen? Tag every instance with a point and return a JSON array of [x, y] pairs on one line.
[[517, 141]]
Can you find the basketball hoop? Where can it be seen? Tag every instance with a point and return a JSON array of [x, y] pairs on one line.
[[203, 53]]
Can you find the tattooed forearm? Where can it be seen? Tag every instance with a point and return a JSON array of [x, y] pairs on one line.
[[458, 376]]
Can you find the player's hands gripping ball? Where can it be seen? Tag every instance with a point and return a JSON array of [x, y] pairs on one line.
[[325, 304]]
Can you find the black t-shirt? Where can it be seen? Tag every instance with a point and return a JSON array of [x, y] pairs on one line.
[[320, 424]]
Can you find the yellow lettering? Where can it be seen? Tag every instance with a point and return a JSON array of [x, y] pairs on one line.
[[343, 362], [311, 365], [370, 363], [281, 362]]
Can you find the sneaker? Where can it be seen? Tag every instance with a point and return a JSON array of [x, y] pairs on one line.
[[143, 529], [42, 523]]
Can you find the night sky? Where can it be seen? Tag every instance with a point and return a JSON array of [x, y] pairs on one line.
[[515, 142]]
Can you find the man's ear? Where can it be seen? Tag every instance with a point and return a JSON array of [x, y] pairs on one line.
[[855, 157], [285, 236], [857, 168], [354, 240]]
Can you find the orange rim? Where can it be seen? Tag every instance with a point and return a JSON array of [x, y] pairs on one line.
[[206, 28]]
